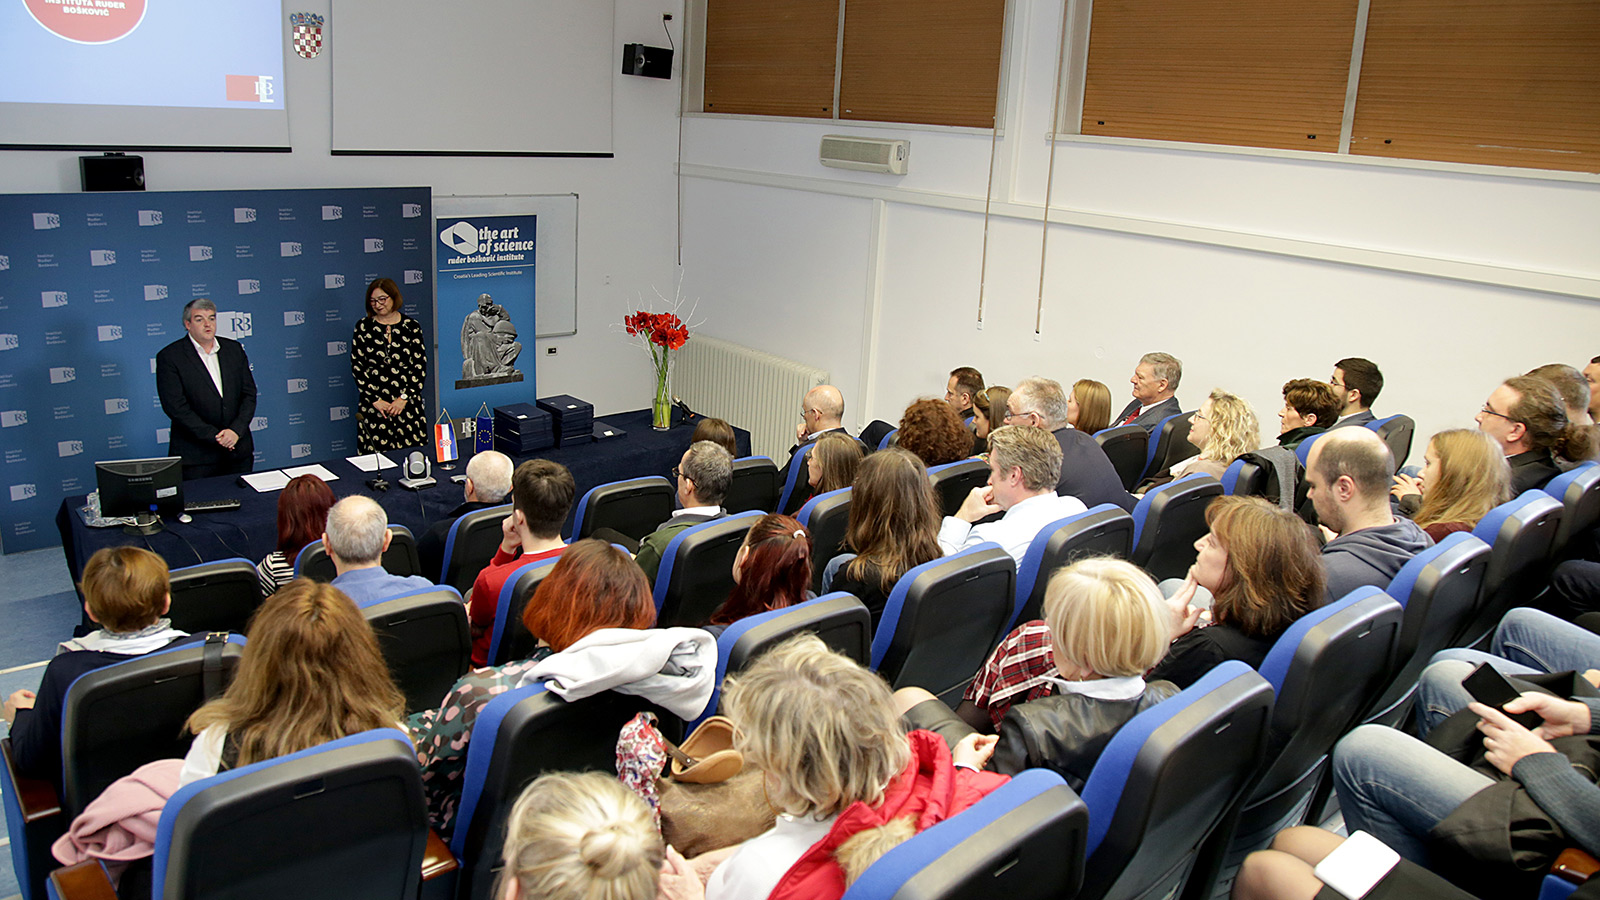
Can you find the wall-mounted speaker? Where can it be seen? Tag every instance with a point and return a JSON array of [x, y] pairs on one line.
[[112, 172], [651, 62]]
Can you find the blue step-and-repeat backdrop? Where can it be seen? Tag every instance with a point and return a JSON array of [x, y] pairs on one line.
[[93, 285]]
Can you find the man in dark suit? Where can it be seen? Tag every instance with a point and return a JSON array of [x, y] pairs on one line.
[[206, 389], [821, 411], [1357, 381], [1086, 471], [1155, 386]]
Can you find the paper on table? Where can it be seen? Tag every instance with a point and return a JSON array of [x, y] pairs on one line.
[[365, 462], [266, 482], [316, 470]]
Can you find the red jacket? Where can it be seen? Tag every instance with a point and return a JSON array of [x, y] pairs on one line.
[[930, 790]]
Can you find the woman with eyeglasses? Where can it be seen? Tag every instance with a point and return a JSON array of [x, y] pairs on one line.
[[390, 363]]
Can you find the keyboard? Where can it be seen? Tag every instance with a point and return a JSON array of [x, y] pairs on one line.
[[226, 503]]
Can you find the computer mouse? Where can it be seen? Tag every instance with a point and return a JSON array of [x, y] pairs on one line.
[[185, 518]]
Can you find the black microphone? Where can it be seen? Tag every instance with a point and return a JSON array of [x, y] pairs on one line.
[[377, 482], [687, 412]]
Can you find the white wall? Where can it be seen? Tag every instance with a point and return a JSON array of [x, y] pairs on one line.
[[626, 215], [1253, 269]]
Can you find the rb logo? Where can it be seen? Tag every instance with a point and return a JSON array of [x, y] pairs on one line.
[[289, 248], [329, 213], [338, 348], [410, 210], [373, 245], [155, 292], [9, 342], [259, 423], [249, 286], [68, 448], [23, 492], [199, 253], [299, 451], [148, 217], [335, 413], [298, 385], [43, 221], [243, 214], [234, 325], [102, 257], [110, 333], [332, 282], [53, 299], [116, 405], [413, 276], [63, 374], [13, 417], [294, 317]]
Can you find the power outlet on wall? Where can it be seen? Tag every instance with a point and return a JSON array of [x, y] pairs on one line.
[[549, 351]]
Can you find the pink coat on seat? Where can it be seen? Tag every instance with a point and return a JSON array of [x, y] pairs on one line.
[[119, 826]]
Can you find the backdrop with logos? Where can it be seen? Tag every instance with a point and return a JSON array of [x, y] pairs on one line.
[[93, 285]]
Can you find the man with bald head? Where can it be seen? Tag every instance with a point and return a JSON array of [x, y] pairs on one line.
[[1348, 475], [357, 535], [821, 411]]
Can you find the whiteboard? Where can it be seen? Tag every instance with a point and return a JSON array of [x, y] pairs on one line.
[[486, 77], [555, 264]]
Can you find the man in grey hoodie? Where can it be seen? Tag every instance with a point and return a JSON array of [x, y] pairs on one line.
[[1347, 478]]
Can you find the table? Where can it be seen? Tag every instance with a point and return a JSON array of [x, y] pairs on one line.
[[251, 531]]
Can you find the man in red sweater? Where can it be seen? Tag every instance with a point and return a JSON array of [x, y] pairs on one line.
[[541, 495]]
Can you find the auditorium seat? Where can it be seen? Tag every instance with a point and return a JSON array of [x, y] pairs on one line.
[[426, 641], [839, 619], [1169, 779], [511, 640], [1023, 841], [1325, 670], [1579, 493], [1521, 533], [942, 619], [1168, 520], [873, 434], [634, 507], [696, 572], [1106, 530], [889, 440], [1395, 432], [344, 819], [754, 486], [1303, 452], [521, 734], [952, 482], [1169, 444], [827, 518], [795, 482], [1128, 448], [214, 596], [1437, 590], [33, 822], [470, 546], [399, 559], [1245, 478]]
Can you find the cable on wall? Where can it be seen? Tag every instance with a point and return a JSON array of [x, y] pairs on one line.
[[1050, 173]]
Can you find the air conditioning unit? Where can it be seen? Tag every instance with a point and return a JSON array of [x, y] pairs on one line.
[[843, 151]]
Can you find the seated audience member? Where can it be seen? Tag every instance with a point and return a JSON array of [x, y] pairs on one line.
[[592, 616], [847, 781], [357, 535], [1574, 588], [934, 432], [965, 384], [311, 673], [821, 411], [894, 526], [1224, 427], [718, 432], [1527, 419], [1358, 382], [126, 592], [1024, 464], [1155, 386], [1089, 406], [830, 466], [1573, 388], [1494, 827], [771, 571], [703, 475], [1086, 471], [580, 836], [488, 483], [541, 495], [1591, 374], [1348, 476], [1309, 407], [1286, 872], [303, 506], [1463, 477], [989, 413], [1260, 565], [1106, 625]]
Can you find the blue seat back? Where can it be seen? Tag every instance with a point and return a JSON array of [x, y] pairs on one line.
[[1579, 493], [1129, 449], [952, 482], [634, 507], [214, 596], [839, 619], [1169, 443], [1168, 520], [1158, 791], [827, 518], [469, 546], [346, 817], [1105, 530], [1396, 432], [511, 640], [754, 486], [1245, 478], [1024, 841], [942, 619], [796, 477], [696, 570], [1303, 452], [888, 440], [1521, 533], [426, 640]]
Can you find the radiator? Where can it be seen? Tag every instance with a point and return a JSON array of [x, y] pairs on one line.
[[749, 388]]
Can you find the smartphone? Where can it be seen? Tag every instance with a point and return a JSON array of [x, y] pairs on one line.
[[1490, 688], [1356, 866]]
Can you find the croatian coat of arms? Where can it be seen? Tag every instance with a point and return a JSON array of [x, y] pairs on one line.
[[307, 34]]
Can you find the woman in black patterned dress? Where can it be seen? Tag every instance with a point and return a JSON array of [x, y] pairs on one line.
[[390, 363]]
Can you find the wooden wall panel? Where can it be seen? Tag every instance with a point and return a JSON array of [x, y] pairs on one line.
[[929, 61], [771, 57]]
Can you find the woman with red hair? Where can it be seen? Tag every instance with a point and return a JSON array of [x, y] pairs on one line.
[[772, 571], [592, 616], [302, 517]]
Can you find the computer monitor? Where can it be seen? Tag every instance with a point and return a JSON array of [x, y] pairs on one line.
[[141, 488]]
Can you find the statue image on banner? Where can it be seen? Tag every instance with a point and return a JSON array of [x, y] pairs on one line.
[[489, 346]]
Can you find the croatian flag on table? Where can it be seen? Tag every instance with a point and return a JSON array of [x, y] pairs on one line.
[[444, 442]]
